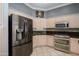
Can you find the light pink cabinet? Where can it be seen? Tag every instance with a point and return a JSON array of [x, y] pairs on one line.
[[50, 40], [74, 45], [39, 23], [50, 23], [39, 40], [72, 19], [43, 40]]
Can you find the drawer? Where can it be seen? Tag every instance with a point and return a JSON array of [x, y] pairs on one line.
[[39, 32], [62, 41], [63, 47]]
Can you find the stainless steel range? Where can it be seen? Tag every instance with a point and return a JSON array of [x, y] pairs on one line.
[[62, 42]]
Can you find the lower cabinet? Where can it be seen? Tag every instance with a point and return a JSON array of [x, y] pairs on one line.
[[39, 40], [43, 40], [74, 45], [35, 41], [50, 40]]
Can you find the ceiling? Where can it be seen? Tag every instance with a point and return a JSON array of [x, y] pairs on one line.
[[45, 6]]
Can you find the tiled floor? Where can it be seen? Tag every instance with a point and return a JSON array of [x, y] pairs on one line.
[[47, 51]]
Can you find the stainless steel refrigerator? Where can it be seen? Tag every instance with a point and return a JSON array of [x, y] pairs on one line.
[[20, 35]]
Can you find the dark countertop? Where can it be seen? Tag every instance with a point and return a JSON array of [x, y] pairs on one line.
[[73, 32], [59, 29]]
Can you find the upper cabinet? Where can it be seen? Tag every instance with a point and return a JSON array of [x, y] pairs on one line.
[[73, 21], [39, 23], [50, 23]]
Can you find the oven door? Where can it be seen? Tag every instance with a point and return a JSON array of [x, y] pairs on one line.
[[62, 47], [61, 41]]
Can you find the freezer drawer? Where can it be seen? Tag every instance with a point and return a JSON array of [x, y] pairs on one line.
[[23, 50]]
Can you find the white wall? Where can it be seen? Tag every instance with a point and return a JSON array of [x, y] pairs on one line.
[[4, 29], [62, 11], [0, 27], [22, 8]]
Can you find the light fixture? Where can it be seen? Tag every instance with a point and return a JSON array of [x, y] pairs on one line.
[[40, 14]]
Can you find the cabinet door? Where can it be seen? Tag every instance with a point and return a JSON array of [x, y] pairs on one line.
[[50, 40], [35, 41], [42, 41], [39, 40], [50, 23], [42, 23], [74, 45], [73, 21]]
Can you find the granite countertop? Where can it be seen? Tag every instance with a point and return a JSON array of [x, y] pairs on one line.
[[59, 29]]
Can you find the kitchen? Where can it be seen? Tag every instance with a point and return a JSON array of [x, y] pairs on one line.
[[61, 22], [43, 29]]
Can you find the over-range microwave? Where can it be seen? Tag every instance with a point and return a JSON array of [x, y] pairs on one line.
[[62, 25]]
